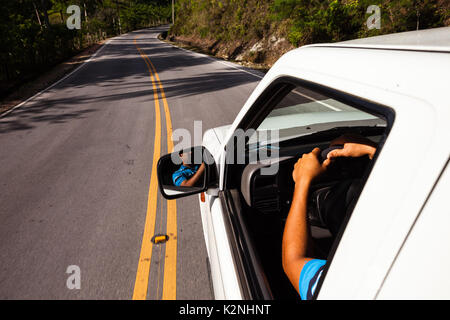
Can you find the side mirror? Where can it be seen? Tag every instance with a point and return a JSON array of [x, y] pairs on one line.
[[186, 172]]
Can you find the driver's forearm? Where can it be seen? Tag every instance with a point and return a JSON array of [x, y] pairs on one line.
[[193, 180], [295, 236]]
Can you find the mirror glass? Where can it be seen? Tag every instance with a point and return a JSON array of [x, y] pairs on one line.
[[183, 172]]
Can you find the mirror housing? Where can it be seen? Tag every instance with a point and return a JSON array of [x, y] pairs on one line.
[[186, 172]]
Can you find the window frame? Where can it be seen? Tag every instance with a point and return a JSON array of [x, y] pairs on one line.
[[267, 101]]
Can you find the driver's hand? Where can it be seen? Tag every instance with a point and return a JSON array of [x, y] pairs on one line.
[[353, 146], [308, 167], [353, 150]]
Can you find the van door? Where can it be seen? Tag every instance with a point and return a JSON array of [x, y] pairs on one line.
[[421, 269]]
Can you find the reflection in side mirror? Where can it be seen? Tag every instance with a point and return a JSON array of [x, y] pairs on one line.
[[184, 173]]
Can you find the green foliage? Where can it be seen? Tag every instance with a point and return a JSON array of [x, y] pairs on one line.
[[230, 20], [303, 21], [334, 21], [35, 36], [140, 15], [28, 47], [337, 20]]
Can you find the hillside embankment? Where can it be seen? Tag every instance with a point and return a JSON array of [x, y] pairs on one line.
[[257, 32]]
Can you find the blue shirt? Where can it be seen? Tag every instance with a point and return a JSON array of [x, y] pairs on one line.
[[309, 277], [182, 174]]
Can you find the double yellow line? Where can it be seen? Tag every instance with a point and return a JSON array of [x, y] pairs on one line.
[[170, 264]]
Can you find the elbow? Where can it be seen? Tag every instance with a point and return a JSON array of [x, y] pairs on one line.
[[292, 263], [286, 262], [285, 267], [185, 183], [285, 257]]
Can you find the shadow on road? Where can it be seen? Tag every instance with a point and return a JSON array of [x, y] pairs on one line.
[[119, 74]]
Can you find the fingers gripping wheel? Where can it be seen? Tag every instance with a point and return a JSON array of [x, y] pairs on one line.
[[323, 155]]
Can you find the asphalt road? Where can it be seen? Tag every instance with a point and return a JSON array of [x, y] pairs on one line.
[[75, 169]]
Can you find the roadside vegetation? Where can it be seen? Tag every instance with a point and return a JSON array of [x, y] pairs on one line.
[[35, 36], [262, 30]]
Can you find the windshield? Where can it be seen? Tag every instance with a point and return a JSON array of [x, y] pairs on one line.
[[303, 112]]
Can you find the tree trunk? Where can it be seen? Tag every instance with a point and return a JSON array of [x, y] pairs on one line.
[[417, 16], [118, 16], [37, 14], [85, 12], [44, 9]]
